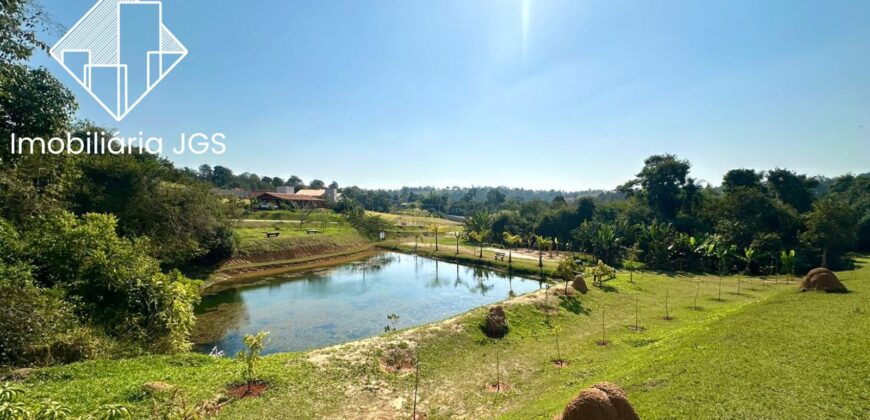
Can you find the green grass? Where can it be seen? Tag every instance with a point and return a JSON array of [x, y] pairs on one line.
[[414, 221], [768, 353], [287, 215], [253, 238]]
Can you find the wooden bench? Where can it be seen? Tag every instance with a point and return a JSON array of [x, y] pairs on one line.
[[312, 231], [500, 255], [273, 234]]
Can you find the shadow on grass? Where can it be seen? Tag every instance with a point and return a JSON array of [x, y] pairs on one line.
[[573, 305], [606, 288]]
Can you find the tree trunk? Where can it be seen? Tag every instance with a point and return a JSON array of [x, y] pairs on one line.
[[825, 257]]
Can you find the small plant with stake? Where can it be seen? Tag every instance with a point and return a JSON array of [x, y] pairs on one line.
[[603, 341], [251, 357], [559, 361], [416, 382], [667, 308], [637, 327]]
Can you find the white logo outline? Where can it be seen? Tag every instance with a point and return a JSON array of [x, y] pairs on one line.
[[112, 59]]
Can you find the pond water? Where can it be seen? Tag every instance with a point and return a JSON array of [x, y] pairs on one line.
[[346, 303]]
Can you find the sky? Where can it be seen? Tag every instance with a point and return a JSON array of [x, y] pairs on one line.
[[564, 94]]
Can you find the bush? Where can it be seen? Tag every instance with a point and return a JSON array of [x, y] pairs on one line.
[[496, 324], [30, 318]]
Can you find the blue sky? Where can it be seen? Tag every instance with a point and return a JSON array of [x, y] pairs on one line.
[[568, 94]]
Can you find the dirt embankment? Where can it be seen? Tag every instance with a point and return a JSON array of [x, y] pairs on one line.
[[247, 268]]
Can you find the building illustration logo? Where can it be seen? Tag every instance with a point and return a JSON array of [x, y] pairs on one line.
[[119, 52]]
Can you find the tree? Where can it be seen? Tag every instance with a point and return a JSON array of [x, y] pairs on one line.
[[333, 185], [294, 181], [206, 173], [20, 22], [793, 189], [741, 178], [566, 270], [458, 234], [305, 209], [317, 185], [251, 357], [542, 243], [436, 229], [223, 177], [479, 237], [32, 104], [511, 241], [831, 225], [660, 184], [495, 198]]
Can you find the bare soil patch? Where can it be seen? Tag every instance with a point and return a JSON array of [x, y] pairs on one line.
[[499, 388], [252, 390]]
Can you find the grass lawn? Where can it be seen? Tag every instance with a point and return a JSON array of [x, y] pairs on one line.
[[253, 240], [414, 221], [769, 352]]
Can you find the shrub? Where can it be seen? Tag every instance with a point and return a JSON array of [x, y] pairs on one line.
[[30, 317], [117, 285], [496, 324], [251, 356]]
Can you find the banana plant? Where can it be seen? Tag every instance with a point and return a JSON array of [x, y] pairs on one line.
[[787, 259]]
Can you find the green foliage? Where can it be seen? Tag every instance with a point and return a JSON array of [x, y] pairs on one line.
[[831, 226], [113, 412], [368, 226], [184, 219], [601, 273], [566, 270], [32, 104], [10, 406], [479, 221], [662, 184], [53, 411], [69, 280], [787, 261], [251, 356], [117, 285]]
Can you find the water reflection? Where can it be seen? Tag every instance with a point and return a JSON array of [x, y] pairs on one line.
[[346, 303]]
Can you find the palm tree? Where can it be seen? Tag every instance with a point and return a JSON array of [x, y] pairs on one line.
[[480, 237], [511, 241], [458, 234], [542, 243], [435, 229]]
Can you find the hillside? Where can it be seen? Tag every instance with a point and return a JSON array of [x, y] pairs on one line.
[[802, 352]]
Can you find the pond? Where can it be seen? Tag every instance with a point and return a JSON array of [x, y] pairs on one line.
[[349, 302]]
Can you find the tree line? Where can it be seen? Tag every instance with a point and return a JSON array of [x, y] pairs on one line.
[[756, 222], [91, 246]]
